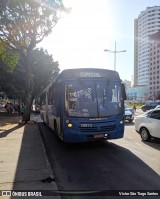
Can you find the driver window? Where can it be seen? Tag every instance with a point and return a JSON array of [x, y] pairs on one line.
[[155, 115]]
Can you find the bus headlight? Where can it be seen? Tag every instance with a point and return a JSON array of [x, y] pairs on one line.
[[121, 122], [70, 125]]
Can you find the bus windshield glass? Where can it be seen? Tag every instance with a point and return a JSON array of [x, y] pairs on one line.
[[93, 98]]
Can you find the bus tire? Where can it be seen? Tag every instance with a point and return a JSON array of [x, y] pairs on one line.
[[56, 132], [55, 128]]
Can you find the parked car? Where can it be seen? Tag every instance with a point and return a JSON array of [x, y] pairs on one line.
[[128, 108], [148, 124], [129, 116], [157, 107], [2, 105], [149, 106]]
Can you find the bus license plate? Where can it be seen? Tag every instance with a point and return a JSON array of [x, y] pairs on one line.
[[99, 136]]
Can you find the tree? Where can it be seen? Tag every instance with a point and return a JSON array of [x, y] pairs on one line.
[[8, 60], [24, 24], [8, 63], [12, 82], [43, 71]]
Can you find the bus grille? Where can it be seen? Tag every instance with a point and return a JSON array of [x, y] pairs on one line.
[[98, 129]]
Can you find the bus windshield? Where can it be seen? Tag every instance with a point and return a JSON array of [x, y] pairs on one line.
[[93, 98]]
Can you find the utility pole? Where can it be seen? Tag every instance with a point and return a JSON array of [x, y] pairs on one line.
[[115, 51]]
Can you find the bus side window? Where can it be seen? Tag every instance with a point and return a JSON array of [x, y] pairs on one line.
[[50, 97], [54, 100], [42, 100]]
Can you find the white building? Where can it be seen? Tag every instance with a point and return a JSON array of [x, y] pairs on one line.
[[140, 93], [147, 23], [154, 69], [127, 83]]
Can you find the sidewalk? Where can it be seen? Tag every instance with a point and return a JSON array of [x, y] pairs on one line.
[[23, 160]]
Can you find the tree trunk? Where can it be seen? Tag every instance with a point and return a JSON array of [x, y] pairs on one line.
[[28, 89], [28, 104]]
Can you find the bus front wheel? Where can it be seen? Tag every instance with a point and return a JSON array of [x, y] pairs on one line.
[[55, 128]]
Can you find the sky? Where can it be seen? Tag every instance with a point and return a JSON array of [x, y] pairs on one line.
[[80, 38]]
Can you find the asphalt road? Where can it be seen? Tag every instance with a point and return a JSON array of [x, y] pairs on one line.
[[123, 164]]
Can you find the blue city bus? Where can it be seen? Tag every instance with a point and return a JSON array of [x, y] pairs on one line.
[[84, 104]]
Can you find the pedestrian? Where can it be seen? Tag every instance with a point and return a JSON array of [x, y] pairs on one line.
[[11, 108], [134, 107], [18, 109], [22, 110], [7, 107]]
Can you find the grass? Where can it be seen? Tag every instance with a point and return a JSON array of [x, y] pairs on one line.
[[131, 104]]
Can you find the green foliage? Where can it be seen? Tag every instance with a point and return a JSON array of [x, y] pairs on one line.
[[24, 23], [11, 84], [7, 60], [44, 70], [138, 104]]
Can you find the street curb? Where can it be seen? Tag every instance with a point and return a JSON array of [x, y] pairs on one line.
[[46, 157]]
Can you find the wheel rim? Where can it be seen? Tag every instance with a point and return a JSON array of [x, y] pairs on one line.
[[144, 134]]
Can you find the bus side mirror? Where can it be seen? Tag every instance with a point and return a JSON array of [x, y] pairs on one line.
[[123, 92]]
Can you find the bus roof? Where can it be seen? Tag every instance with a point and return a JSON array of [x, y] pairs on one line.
[[84, 73], [88, 72]]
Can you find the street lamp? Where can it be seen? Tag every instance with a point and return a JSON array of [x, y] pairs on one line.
[[115, 52]]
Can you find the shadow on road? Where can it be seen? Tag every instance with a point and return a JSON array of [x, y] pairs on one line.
[[8, 124], [4, 133], [23, 162], [129, 123], [31, 165], [9, 120], [154, 143], [97, 166], [87, 166]]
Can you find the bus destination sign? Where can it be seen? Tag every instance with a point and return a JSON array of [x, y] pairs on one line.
[[90, 74]]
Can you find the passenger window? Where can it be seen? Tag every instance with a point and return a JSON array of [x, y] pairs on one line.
[[155, 115], [148, 114], [153, 104]]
